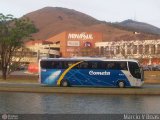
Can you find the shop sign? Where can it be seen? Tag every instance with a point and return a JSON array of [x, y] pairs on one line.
[[73, 43], [87, 44], [83, 36]]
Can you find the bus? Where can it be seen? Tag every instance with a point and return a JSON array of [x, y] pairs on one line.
[[99, 72]]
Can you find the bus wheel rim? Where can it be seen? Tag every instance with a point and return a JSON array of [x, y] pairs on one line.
[[65, 83], [121, 84]]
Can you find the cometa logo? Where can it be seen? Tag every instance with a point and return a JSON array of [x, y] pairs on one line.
[[99, 73], [83, 36]]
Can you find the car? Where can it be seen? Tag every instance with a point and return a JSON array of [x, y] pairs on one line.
[[156, 68], [146, 68]]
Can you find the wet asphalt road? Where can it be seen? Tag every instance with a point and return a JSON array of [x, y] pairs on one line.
[[3, 84]]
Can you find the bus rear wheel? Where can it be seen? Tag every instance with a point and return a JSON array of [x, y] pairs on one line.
[[64, 83], [121, 84]]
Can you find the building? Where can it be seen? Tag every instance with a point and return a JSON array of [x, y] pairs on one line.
[[65, 44], [74, 43], [69, 44], [148, 51], [33, 50], [43, 48]]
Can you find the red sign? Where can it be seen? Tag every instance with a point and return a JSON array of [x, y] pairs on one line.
[[87, 44]]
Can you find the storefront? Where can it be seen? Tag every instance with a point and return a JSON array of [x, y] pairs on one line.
[[72, 43]]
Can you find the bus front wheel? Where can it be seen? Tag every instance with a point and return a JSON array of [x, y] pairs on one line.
[[121, 84], [64, 83]]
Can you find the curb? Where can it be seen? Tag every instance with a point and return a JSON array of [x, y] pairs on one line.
[[84, 90]]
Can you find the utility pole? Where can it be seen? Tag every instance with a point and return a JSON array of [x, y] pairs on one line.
[[38, 55], [49, 51]]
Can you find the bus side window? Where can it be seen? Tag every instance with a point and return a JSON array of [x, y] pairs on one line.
[[43, 64], [59, 65], [123, 66], [103, 65], [48, 65], [83, 65], [110, 65], [53, 65], [93, 65], [65, 66], [70, 63]]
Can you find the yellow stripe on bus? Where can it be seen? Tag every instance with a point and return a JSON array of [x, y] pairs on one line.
[[65, 72]]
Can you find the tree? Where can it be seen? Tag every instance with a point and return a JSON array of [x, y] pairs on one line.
[[12, 34]]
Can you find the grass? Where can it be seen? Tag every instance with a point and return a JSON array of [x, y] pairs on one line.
[[149, 73], [20, 79], [152, 77]]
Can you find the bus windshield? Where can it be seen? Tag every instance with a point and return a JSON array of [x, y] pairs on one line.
[[134, 69]]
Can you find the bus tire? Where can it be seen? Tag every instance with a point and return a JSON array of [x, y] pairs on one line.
[[64, 83], [121, 84]]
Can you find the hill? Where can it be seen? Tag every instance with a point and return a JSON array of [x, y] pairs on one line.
[[139, 26], [54, 20]]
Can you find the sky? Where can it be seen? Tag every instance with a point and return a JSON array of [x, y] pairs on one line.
[[106, 10]]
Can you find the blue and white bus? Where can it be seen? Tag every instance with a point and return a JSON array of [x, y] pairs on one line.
[[90, 72]]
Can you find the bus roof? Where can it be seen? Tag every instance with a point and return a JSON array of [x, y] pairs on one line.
[[86, 59]]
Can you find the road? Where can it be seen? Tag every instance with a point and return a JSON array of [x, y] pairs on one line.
[[5, 84], [2, 84], [147, 89], [145, 86]]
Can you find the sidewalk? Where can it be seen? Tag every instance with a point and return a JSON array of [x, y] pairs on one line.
[[37, 88]]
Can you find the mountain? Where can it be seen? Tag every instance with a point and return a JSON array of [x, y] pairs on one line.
[[54, 20], [139, 26]]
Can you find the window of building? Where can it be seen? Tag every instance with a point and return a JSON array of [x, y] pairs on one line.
[[134, 49], [146, 49], [140, 49], [117, 49], [153, 49], [128, 49], [158, 48]]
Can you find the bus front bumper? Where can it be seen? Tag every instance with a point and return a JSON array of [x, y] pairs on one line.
[[139, 83]]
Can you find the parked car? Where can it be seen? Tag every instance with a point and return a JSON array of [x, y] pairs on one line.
[[146, 68], [151, 67], [156, 68], [22, 67]]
